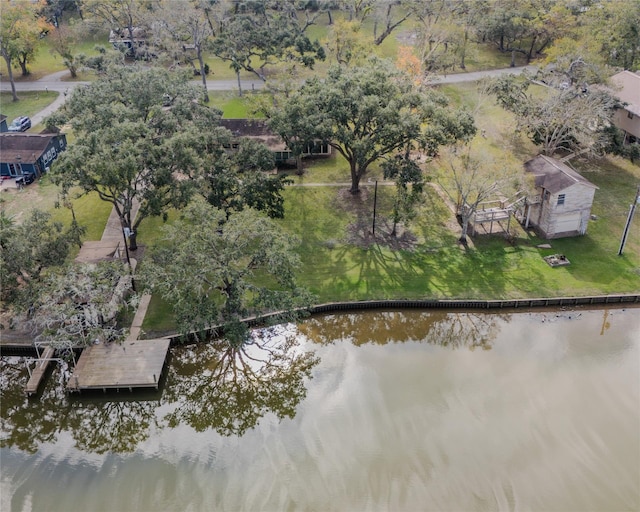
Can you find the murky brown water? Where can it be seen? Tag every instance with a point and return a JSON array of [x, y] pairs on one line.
[[403, 411]]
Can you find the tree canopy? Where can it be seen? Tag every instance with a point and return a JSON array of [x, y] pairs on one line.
[[20, 29], [141, 134], [367, 114], [242, 179], [77, 304], [569, 115], [216, 269], [264, 33], [27, 250]]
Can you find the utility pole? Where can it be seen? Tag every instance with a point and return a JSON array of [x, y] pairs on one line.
[[375, 201], [627, 226]]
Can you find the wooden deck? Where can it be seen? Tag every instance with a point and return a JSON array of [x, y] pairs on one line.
[[38, 373], [131, 364]]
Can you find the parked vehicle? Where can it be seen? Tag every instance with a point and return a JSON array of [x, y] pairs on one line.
[[20, 124], [26, 178]]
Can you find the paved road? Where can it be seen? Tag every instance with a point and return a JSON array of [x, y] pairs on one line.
[[53, 82]]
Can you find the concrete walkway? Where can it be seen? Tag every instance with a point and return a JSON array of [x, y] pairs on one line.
[[112, 240]]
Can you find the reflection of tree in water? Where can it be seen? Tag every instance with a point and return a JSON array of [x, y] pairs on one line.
[[99, 426], [455, 330], [109, 425], [27, 423], [209, 386], [229, 389]]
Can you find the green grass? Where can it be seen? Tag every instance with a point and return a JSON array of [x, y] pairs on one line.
[[231, 105], [90, 211], [336, 270], [29, 103]]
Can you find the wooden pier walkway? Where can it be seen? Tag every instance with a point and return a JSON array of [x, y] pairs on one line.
[[131, 364], [42, 363]]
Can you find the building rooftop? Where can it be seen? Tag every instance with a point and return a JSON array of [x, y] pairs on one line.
[[627, 89], [23, 147], [554, 175], [255, 129]]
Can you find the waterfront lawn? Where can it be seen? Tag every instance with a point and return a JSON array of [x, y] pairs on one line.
[[336, 265], [494, 267]]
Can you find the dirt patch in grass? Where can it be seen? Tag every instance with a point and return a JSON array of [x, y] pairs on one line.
[[19, 203]]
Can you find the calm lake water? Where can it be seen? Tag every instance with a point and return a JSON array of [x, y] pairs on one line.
[[374, 411]]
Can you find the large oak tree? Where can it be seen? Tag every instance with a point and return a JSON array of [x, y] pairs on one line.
[[217, 269], [368, 114], [140, 136]]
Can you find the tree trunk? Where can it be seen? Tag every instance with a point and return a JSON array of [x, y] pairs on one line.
[[513, 59], [355, 179], [464, 50], [394, 230], [299, 166], [465, 226], [239, 83], [133, 241], [530, 54], [203, 75], [7, 59], [23, 65], [133, 53], [330, 17]]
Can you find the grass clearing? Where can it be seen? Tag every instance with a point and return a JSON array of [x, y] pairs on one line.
[[29, 104], [438, 268]]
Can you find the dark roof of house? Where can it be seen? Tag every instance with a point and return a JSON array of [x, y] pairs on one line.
[[246, 127], [255, 129], [553, 175], [2, 117], [23, 147]]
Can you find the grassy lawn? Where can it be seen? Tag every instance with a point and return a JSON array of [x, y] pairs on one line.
[[231, 105], [30, 103], [438, 268], [89, 210]]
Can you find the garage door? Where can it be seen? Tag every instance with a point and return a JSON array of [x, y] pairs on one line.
[[569, 222]]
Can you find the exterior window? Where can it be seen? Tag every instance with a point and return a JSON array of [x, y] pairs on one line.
[[561, 199], [629, 114], [15, 169]]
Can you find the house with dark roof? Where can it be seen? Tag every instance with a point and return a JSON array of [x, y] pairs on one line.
[[29, 153], [563, 200], [258, 129], [3, 124], [627, 115]]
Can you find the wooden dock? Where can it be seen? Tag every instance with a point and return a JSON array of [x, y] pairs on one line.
[[128, 365], [42, 363]]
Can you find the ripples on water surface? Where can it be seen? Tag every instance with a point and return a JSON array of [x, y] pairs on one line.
[[404, 411]]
